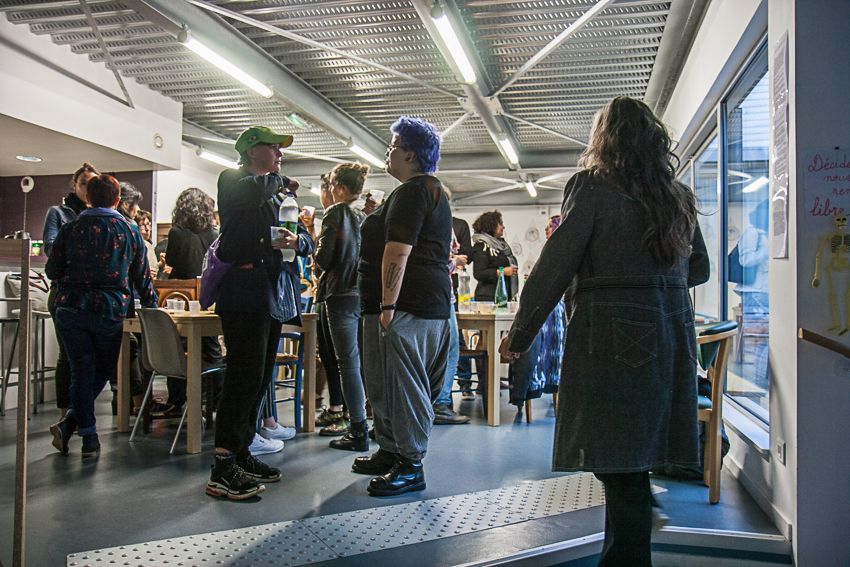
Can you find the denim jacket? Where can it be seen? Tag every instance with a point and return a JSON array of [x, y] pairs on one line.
[[58, 216]]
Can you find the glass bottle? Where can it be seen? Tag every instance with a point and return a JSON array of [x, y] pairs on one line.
[[501, 293]]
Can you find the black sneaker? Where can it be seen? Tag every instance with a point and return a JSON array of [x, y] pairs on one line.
[[352, 441], [62, 432], [380, 462], [233, 483], [258, 470], [91, 445]]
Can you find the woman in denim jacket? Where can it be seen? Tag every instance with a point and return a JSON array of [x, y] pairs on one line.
[[629, 235]]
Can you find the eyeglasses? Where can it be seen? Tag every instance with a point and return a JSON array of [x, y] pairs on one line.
[[391, 147]]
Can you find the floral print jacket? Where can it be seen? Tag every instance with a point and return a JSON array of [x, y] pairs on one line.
[[95, 260]]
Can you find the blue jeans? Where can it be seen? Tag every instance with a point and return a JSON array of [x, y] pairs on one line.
[[93, 345], [445, 396]]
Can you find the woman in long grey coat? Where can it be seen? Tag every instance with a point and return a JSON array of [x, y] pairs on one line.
[[629, 233]]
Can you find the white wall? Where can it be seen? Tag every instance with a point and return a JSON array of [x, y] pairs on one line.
[[819, 118], [723, 39], [518, 222], [193, 172], [38, 93], [730, 32]]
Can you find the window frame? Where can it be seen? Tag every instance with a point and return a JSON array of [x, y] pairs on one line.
[[716, 125]]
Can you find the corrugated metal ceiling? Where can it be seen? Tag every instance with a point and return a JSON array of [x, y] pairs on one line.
[[612, 55]]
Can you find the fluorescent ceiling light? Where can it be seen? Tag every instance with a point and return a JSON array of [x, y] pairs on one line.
[[530, 188], [377, 162], [297, 120], [33, 159], [227, 66], [509, 150], [447, 32], [215, 158], [755, 185], [316, 191]]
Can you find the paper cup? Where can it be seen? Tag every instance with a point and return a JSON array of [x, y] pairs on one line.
[[194, 308], [378, 196], [137, 303], [309, 210]]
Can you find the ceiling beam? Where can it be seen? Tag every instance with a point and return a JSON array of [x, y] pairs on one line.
[[475, 101], [317, 44], [552, 45], [290, 90]]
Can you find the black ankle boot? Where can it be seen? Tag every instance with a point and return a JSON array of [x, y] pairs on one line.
[[406, 476], [380, 462], [357, 438]]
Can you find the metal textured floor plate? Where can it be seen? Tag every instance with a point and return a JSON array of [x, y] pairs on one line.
[[549, 497], [283, 543], [363, 531]]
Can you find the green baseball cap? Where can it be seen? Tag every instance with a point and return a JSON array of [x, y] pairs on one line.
[[261, 134]]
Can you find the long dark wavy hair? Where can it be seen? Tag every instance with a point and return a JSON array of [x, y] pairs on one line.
[[631, 149], [194, 211]]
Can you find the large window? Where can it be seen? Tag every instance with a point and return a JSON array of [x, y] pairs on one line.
[[746, 146], [706, 296]]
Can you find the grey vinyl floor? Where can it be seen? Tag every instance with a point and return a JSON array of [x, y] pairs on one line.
[[137, 493]]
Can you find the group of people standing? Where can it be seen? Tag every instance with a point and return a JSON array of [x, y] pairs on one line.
[[628, 248]]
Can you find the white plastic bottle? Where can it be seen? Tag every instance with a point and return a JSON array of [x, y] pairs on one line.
[[287, 217]]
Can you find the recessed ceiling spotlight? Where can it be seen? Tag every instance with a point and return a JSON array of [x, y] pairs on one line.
[[29, 158]]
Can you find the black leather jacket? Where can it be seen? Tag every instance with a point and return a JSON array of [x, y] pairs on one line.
[[338, 251]]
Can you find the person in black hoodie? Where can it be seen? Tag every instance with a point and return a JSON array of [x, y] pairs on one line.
[[57, 217], [258, 294]]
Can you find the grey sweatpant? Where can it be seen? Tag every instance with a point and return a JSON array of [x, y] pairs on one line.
[[404, 367]]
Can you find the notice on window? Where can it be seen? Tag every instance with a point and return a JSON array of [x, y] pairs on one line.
[[779, 153], [827, 186]]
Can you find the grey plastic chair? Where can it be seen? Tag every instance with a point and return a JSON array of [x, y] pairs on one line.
[[164, 355]]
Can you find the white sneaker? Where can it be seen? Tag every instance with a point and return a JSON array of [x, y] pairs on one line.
[[278, 432], [263, 446]]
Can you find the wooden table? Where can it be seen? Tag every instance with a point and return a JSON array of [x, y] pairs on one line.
[[193, 327], [491, 325]]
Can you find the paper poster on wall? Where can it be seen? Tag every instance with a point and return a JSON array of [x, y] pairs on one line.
[[779, 150], [827, 186]]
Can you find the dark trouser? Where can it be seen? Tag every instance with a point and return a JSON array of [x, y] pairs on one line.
[[93, 344], [251, 340], [328, 356], [464, 365], [63, 365], [628, 520], [211, 352], [344, 323]]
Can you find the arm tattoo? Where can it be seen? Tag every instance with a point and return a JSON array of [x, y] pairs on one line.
[[393, 275]]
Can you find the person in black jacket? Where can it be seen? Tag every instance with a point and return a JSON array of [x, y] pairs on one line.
[[489, 253], [258, 294], [337, 253], [57, 217]]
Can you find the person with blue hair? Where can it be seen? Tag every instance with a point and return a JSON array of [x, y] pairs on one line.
[[405, 299]]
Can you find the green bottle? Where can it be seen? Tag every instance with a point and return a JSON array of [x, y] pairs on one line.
[[501, 293]]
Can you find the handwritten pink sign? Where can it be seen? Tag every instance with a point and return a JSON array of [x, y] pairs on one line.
[[827, 186]]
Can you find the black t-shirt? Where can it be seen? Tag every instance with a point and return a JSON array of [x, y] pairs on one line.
[[416, 213]]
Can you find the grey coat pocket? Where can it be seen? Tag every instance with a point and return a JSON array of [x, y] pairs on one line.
[[635, 342]]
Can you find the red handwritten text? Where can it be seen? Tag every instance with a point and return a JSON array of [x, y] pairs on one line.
[[826, 209]]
